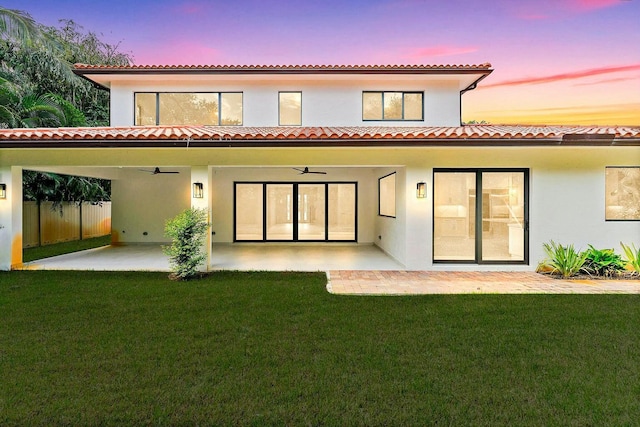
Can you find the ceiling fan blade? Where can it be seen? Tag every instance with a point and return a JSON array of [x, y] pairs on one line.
[[318, 172], [168, 172]]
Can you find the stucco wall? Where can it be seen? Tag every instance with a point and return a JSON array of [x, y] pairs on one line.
[[329, 103], [142, 202], [390, 233], [566, 190]]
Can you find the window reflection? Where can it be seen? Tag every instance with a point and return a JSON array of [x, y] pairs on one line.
[[622, 193], [290, 108], [185, 108]]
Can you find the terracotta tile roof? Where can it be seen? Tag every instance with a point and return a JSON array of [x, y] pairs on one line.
[[303, 68], [210, 136]]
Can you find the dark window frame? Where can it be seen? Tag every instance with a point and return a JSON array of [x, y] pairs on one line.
[[289, 91], [478, 214], [395, 195], [295, 185], [157, 96], [382, 92]]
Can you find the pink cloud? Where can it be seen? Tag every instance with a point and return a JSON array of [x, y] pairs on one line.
[[547, 9], [566, 76], [586, 5], [439, 51]]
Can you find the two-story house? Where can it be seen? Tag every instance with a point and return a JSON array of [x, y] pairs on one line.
[[359, 155]]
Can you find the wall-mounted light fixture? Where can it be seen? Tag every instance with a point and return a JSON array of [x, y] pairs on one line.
[[198, 190], [3, 191], [421, 190]]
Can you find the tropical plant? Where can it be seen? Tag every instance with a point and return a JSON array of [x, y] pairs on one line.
[[564, 260], [633, 256], [43, 57], [188, 232], [602, 262], [18, 25], [19, 109], [50, 187]]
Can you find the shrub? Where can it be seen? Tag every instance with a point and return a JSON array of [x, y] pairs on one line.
[[188, 231], [564, 260], [633, 256], [602, 262]]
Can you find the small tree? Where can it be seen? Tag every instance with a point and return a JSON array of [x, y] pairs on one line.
[[188, 231]]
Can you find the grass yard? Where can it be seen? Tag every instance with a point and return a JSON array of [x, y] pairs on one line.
[[102, 348], [32, 254]]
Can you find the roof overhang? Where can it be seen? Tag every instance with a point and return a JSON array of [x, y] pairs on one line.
[[307, 137], [104, 76]]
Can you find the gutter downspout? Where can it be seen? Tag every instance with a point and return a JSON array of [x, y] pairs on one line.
[[472, 86]]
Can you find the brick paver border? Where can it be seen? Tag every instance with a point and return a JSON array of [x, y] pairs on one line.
[[382, 282]]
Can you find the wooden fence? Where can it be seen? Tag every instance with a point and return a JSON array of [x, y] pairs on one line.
[[46, 226]]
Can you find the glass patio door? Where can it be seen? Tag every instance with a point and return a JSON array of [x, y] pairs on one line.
[[480, 216], [283, 212], [311, 212]]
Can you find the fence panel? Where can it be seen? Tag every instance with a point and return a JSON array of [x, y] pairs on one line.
[[96, 220], [30, 227], [55, 227]]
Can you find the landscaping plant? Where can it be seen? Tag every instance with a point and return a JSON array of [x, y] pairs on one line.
[[564, 260], [633, 256], [602, 262], [188, 231]]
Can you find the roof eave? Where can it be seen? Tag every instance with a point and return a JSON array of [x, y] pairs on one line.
[[320, 143]]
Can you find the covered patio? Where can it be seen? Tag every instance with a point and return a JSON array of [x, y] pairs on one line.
[[243, 257]]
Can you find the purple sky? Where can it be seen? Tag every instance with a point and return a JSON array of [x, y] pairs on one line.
[[556, 61]]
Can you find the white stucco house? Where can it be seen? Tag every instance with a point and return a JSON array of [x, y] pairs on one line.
[[388, 161]]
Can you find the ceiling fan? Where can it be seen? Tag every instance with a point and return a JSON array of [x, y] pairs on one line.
[[157, 171], [306, 170]]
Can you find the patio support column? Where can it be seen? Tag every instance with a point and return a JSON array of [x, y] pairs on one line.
[[201, 174], [11, 218], [419, 219]]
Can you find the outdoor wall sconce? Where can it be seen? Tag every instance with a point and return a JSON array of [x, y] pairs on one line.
[[3, 191], [198, 190], [421, 190]]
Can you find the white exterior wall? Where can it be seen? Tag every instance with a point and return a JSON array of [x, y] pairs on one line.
[[567, 192], [142, 203], [332, 102]]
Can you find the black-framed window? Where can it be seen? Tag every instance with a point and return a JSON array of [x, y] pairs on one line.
[[481, 216], [295, 212], [290, 108], [387, 195], [622, 193], [392, 105], [188, 108]]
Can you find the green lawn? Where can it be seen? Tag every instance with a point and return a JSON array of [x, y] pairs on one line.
[[32, 254], [101, 348]]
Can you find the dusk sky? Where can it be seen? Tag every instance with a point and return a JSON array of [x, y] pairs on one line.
[[555, 61]]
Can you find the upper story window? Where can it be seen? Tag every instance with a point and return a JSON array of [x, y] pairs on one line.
[[290, 108], [392, 106], [188, 108]]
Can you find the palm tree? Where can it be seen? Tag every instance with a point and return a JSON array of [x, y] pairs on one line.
[[18, 26], [19, 109]]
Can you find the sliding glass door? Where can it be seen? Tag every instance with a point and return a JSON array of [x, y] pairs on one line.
[[295, 212], [480, 215]]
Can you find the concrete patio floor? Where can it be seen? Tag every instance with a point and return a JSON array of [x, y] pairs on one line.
[[351, 270], [241, 257]]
